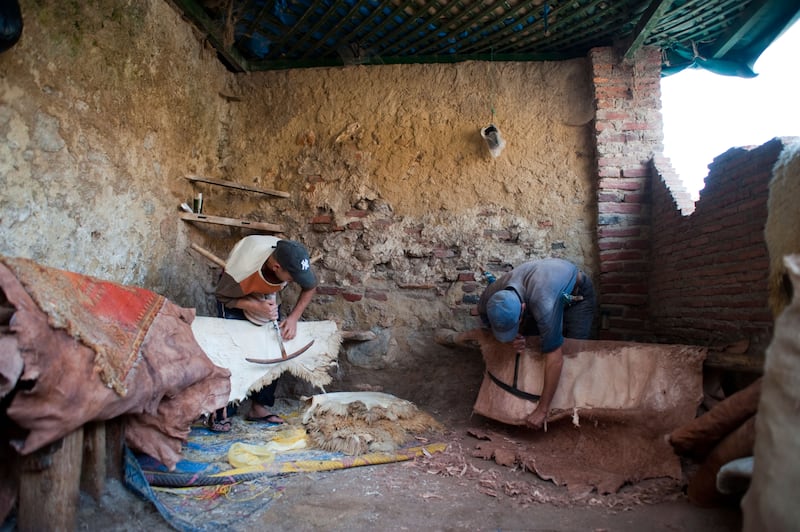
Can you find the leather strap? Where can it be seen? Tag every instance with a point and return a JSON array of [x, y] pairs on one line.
[[512, 388]]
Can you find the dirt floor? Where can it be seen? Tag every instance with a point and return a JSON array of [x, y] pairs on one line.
[[446, 491]]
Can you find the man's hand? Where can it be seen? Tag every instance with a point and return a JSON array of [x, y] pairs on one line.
[[265, 309], [537, 418], [288, 328], [519, 343]]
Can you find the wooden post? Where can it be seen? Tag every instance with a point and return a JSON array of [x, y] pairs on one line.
[[115, 452], [49, 486], [93, 470]]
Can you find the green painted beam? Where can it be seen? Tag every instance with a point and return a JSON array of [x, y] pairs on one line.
[[649, 20]]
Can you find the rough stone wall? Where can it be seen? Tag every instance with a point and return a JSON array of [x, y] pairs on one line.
[[103, 107], [709, 284], [106, 107], [392, 183]]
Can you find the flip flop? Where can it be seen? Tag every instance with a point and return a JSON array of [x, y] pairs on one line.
[[272, 419]]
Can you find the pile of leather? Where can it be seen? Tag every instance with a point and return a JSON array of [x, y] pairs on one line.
[[75, 349]]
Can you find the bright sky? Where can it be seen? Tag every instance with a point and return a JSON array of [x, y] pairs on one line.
[[706, 114]]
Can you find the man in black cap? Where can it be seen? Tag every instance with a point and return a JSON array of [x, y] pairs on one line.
[[257, 268]]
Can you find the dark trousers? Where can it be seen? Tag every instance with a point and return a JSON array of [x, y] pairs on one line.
[[266, 395], [578, 316]]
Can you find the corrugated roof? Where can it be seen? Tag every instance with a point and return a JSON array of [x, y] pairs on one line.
[[726, 36]]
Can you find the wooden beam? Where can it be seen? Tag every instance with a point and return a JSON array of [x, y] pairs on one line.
[[755, 12], [191, 10], [649, 20], [94, 468], [741, 362]]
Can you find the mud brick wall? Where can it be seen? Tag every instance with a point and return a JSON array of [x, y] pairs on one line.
[[708, 284]]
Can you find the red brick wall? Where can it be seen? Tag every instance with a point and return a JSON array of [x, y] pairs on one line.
[[708, 283], [628, 132]]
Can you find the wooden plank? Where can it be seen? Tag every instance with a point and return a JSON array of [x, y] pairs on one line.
[[93, 470], [231, 184], [359, 336], [233, 222], [49, 485], [743, 362]]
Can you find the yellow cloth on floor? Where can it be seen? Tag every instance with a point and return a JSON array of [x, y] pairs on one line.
[[246, 455]]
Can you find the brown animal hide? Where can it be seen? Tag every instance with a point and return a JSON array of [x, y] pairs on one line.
[[623, 399], [699, 436], [171, 383], [736, 444]]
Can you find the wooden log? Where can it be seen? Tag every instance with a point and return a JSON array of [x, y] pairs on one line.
[[49, 487], [94, 467]]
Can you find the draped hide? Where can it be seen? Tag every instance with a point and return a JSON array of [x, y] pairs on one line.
[[77, 349], [771, 500], [622, 398], [229, 343]]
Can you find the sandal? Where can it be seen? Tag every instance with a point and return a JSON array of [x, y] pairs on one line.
[[218, 425]]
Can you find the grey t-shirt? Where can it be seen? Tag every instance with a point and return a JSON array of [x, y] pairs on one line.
[[540, 285]]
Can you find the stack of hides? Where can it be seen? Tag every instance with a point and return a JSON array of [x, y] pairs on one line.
[[75, 349], [356, 423], [721, 435], [228, 343]]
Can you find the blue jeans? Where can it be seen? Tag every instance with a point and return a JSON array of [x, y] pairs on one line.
[[266, 395]]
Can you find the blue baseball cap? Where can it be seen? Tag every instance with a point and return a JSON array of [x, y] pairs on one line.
[[504, 310]]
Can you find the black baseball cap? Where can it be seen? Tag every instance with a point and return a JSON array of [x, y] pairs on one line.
[[293, 257]]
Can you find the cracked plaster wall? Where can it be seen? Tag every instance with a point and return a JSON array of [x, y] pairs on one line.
[[105, 109]]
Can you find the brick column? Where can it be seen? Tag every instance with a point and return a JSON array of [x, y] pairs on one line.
[[628, 134]]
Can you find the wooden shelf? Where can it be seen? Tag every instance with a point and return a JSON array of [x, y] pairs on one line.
[[237, 186], [233, 222]]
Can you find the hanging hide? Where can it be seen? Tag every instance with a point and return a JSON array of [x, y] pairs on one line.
[[606, 378], [622, 398], [771, 501], [780, 231], [355, 423]]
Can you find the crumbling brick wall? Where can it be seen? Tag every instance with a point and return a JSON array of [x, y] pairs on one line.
[[708, 283]]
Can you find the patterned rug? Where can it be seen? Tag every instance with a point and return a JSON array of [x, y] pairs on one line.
[[225, 478]]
